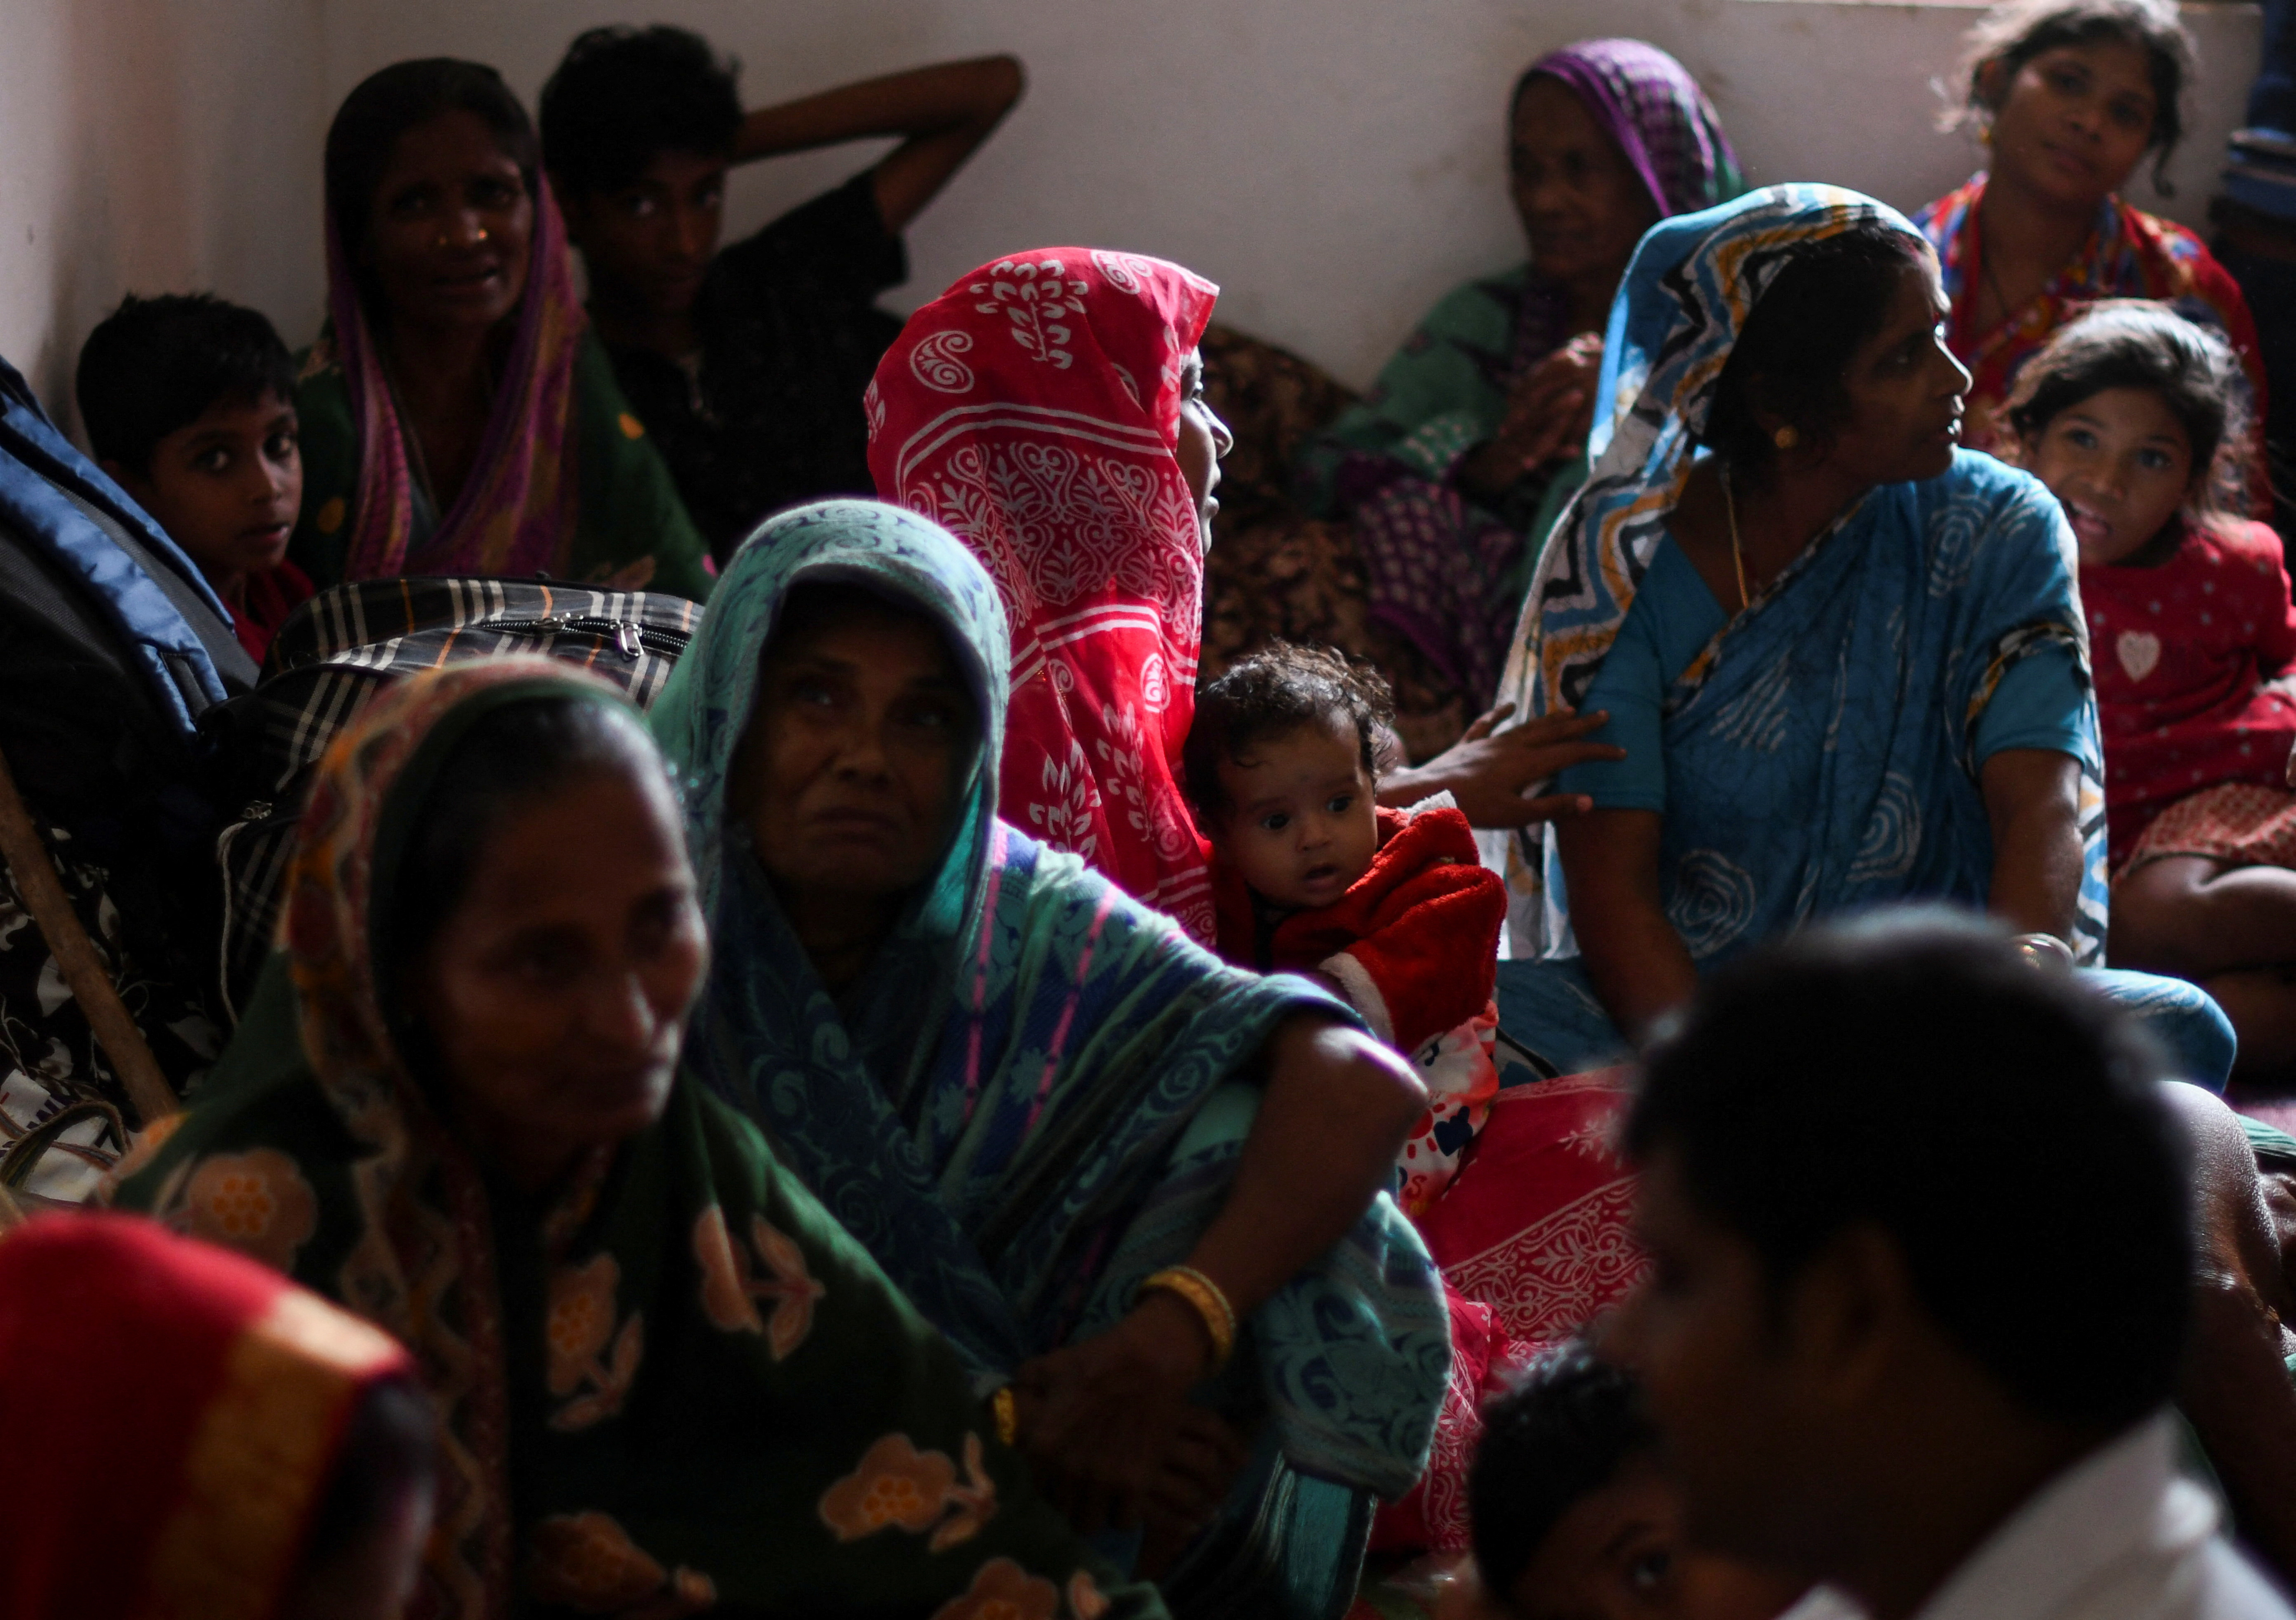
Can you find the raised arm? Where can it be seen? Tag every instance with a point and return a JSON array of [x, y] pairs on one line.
[[2032, 797], [943, 112], [1639, 964]]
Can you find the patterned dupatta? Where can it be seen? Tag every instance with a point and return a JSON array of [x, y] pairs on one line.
[[1818, 750], [1037, 1091], [516, 515], [1032, 410], [172, 1416]]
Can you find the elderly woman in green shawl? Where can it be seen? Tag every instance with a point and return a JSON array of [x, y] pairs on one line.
[[1135, 1186], [665, 1380]]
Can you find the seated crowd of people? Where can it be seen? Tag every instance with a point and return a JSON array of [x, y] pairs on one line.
[[866, 1002]]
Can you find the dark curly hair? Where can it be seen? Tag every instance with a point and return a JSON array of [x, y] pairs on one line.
[[1798, 341], [156, 364], [623, 96], [2133, 342], [2013, 33], [1555, 1437], [1271, 693]]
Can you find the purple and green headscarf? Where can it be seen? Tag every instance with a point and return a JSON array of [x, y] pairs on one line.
[[1649, 105]]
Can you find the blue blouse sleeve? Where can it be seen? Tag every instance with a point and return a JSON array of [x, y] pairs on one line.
[[1673, 617], [2039, 703]]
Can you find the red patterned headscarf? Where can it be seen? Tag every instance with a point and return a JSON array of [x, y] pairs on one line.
[[1032, 410]]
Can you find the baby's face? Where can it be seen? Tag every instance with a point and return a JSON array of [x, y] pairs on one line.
[[1303, 823], [1619, 1554]]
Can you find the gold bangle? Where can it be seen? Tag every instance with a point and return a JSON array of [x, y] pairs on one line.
[[1204, 1295], [1007, 1413]]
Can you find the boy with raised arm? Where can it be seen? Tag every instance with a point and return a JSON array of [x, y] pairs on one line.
[[746, 366]]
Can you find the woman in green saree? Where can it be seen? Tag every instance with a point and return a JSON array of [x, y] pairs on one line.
[[1136, 1185], [457, 414], [665, 1380]]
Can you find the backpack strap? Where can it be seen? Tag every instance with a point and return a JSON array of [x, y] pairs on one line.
[[83, 969], [155, 597]]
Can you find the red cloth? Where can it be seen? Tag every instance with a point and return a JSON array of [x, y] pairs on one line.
[[2182, 653], [271, 596], [1032, 410], [1534, 1240], [1422, 924], [147, 1382]]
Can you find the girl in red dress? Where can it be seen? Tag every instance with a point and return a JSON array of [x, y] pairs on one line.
[[2132, 416]]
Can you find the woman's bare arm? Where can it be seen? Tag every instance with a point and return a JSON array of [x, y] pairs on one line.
[[1488, 771], [1637, 962], [2032, 797], [944, 112]]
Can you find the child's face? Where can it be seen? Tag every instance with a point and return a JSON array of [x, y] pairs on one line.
[[227, 486], [1619, 1554], [2121, 463], [1304, 824]]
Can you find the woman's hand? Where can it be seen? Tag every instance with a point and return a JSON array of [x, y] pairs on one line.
[[1108, 1426], [1548, 419], [1108, 1419], [1490, 772]]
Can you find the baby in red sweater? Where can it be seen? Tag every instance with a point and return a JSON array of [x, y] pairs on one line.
[[1390, 909], [2127, 415]]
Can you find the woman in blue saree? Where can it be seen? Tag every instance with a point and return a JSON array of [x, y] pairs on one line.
[[1031, 1098], [1845, 656]]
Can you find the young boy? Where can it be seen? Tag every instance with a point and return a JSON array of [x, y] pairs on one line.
[[1894, 1337], [1387, 907], [189, 404], [1574, 1515], [748, 367]]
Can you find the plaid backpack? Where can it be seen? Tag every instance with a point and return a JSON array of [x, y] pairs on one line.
[[346, 644]]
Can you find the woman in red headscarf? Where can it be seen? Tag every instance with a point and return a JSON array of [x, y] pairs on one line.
[[1048, 410], [186, 1434]]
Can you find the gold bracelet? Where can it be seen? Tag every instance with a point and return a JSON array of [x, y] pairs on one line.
[[1007, 1413], [1204, 1296]]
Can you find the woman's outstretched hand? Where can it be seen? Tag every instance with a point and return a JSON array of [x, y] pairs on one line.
[[1490, 772], [1109, 1430]]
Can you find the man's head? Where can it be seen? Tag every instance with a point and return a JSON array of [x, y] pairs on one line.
[[1916, 1210], [638, 128], [190, 403], [1574, 1518]]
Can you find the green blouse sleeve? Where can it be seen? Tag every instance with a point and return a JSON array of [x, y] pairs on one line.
[[1433, 402], [630, 508], [323, 411]]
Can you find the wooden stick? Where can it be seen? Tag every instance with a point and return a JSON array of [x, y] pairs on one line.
[[83, 969]]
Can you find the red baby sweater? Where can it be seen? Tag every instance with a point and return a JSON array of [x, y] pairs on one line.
[[2183, 652], [1415, 940]]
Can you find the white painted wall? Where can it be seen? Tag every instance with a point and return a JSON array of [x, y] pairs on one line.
[[153, 145], [1335, 164]]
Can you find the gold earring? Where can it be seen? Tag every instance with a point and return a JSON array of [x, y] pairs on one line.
[[482, 233], [1785, 438]]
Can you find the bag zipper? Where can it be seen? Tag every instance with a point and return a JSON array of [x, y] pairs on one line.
[[630, 637]]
